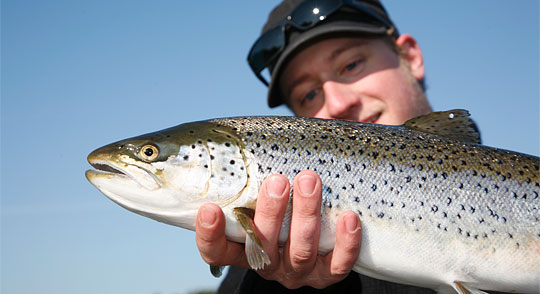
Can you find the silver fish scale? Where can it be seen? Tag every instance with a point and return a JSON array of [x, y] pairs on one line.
[[427, 183]]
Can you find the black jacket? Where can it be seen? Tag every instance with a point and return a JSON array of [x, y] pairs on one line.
[[243, 281]]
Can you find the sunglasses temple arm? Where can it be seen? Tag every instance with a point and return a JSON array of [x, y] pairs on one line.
[[262, 79]]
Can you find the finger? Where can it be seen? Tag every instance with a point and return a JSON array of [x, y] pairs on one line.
[[336, 265], [271, 206], [301, 253], [347, 247], [211, 241]]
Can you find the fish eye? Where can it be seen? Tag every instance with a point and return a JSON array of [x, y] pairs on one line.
[[149, 152]]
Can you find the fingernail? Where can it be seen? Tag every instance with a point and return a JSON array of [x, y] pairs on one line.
[[208, 217], [306, 184], [351, 223], [275, 186]]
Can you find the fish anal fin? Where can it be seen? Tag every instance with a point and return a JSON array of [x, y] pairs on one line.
[[216, 270], [462, 288], [453, 124], [256, 256]]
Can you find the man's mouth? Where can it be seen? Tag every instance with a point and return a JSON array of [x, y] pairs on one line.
[[372, 118]]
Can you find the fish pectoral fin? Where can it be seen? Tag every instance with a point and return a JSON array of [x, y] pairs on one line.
[[256, 256], [462, 288], [216, 270]]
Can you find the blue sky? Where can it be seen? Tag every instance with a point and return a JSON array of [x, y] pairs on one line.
[[76, 75]]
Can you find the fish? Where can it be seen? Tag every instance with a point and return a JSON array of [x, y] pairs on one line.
[[438, 209]]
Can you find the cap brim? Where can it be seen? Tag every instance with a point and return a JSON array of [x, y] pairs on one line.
[[327, 30]]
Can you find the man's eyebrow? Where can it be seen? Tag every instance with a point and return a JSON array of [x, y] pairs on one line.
[[296, 82], [345, 47]]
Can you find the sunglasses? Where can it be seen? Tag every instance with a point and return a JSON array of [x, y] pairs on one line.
[[306, 15]]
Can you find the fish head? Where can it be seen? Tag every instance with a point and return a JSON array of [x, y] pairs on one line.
[[167, 175]]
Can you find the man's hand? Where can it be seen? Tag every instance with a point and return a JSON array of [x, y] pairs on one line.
[[297, 263]]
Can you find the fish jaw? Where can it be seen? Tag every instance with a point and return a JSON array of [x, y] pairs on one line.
[[127, 193], [134, 186]]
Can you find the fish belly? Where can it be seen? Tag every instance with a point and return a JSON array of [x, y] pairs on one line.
[[401, 255]]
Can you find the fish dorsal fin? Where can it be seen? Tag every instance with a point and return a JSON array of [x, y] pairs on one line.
[[452, 124]]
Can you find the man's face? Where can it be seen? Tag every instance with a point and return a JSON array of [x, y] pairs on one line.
[[356, 79]]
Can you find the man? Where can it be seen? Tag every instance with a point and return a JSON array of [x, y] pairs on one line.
[[334, 60]]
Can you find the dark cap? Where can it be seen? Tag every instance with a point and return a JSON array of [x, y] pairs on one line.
[[345, 21]]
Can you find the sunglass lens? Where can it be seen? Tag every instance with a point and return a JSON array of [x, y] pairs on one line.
[[309, 13], [266, 49]]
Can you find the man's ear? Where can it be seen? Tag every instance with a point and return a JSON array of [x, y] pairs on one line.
[[411, 52]]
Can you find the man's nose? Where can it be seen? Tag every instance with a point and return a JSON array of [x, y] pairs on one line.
[[340, 101]]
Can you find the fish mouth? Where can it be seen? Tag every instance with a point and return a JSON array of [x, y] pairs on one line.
[[106, 168], [110, 171]]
